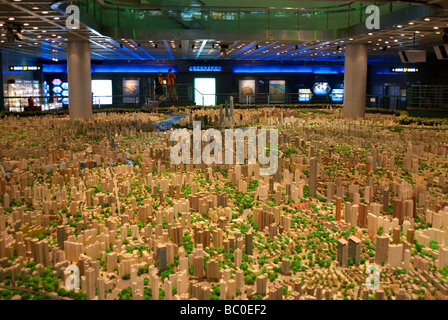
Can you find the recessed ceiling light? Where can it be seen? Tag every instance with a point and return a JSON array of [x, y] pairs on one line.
[[35, 8], [411, 23], [436, 28], [44, 31], [395, 40], [350, 39], [399, 26], [438, 32], [35, 28], [44, 12], [417, 31], [370, 41], [380, 39], [56, 18], [11, 19], [26, 24], [36, 42], [427, 19], [370, 34]]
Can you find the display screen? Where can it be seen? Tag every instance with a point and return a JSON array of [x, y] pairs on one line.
[[205, 91], [305, 94], [321, 88], [57, 90], [277, 90], [247, 88], [102, 91], [337, 95], [131, 91]]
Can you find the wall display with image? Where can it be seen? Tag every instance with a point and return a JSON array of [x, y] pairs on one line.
[[305, 94], [247, 88], [277, 90], [131, 91], [321, 88], [337, 95]]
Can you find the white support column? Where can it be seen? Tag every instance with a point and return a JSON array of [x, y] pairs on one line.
[[79, 80], [355, 81]]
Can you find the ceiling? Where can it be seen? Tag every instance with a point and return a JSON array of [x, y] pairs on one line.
[[45, 36]]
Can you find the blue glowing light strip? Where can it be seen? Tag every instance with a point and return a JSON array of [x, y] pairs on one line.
[[112, 68], [336, 69]]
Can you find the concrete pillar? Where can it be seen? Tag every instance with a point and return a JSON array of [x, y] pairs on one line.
[[79, 80], [355, 81]]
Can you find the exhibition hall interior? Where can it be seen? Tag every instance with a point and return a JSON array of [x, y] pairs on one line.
[[194, 150]]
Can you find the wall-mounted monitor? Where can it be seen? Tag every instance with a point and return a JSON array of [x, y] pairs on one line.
[[321, 88], [337, 95], [102, 91], [305, 94]]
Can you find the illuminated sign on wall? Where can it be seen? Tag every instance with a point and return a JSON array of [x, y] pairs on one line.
[[404, 70], [204, 68], [24, 68]]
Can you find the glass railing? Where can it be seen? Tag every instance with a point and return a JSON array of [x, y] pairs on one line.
[[428, 97], [337, 17], [386, 102], [418, 97]]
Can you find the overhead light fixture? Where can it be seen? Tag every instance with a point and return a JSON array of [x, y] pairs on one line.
[[399, 26], [436, 28], [427, 19], [11, 19], [411, 23], [44, 12]]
